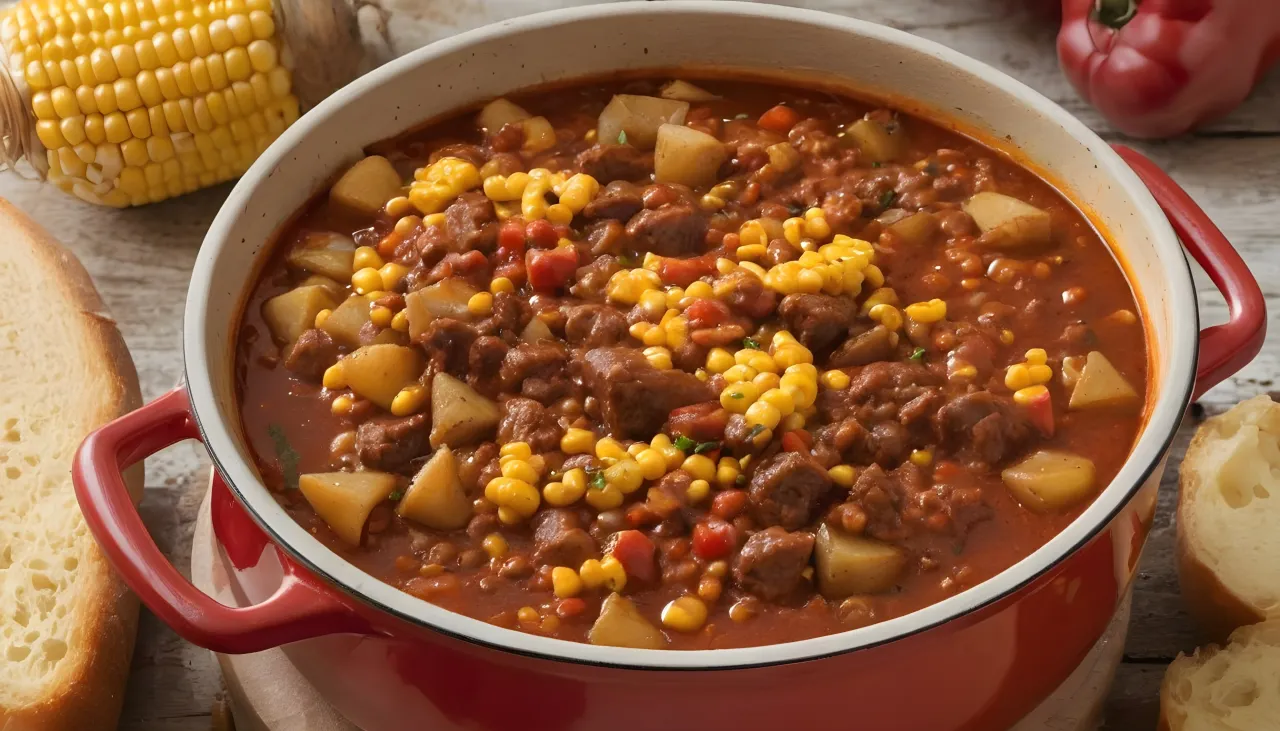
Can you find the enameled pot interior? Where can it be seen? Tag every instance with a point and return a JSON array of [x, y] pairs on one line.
[[911, 73]]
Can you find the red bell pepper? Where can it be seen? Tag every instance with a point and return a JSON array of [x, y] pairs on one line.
[[550, 269], [634, 551], [1158, 68]]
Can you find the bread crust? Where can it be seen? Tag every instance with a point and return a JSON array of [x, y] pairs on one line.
[[88, 689], [1217, 610]]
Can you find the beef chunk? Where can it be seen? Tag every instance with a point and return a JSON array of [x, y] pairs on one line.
[[472, 222], [508, 139], [866, 347], [463, 151], [483, 362], [537, 370], [990, 425], [607, 163], [448, 343], [748, 295], [772, 562], [526, 420], [885, 496], [819, 321], [511, 312], [592, 278], [635, 398], [559, 540], [672, 229], [312, 354], [878, 391], [788, 489], [391, 444], [618, 200], [594, 326], [699, 422], [606, 237]]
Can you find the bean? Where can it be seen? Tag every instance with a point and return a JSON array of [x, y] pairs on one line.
[[712, 337], [442, 553], [430, 589], [471, 558], [856, 612], [709, 588], [516, 567]]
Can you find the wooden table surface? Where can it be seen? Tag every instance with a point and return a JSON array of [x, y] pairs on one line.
[[141, 260]]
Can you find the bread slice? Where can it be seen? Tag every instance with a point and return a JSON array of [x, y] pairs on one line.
[[1234, 688], [1229, 518], [67, 623]]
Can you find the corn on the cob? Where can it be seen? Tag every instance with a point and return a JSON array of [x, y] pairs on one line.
[[136, 101]]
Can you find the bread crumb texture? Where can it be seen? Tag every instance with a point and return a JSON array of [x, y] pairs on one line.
[[45, 385], [1241, 458], [1235, 688]]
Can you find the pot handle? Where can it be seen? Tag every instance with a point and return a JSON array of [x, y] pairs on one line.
[[1226, 348], [300, 609]]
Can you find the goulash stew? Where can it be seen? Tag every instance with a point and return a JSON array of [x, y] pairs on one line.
[[663, 365]]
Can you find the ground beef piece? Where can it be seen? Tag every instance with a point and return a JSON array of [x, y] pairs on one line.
[[699, 422], [878, 391], [607, 163], [747, 295], [818, 320], [510, 314], [471, 153], [391, 444], [559, 540], [594, 326], [526, 420], [772, 562], [672, 229], [312, 354], [448, 345], [536, 370], [483, 362], [606, 237], [508, 139], [737, 436], [635, 398], [592, 278], [866, 347], [990, 425], [618, 200], [690, 356], [472, 222], [788, 489]]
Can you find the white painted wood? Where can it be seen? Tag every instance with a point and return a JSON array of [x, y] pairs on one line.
[[141, 261]]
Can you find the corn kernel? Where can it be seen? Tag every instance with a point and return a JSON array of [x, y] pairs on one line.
[[736, 397], [886, 315], [739, 373], [381, 316], [518, 469], [686, 614], [921, 457], [652, 464], [607, 572], [765, 381], [480, 304], [607, 498], [835, 380], [964, 371], [700, 466], [341, 405], [1017, 376], [658, 357], [1006, 337], [727, 472], [559, 494], [495, 545], [625, 475], [763, 414], [366, 280], [927, 312], [842, 475], [519, 450], [789, 355], [881, 296], [1036, 356], [674, 456], [698, 491], [793, 421], [321, 316], [609, 448], [400, 321], [762, 362], [409, 401], [565, 582], [528, 615], [751, 252], [699, 290], [1040, 373], [367, 257], [1030, 394], [334, 377], [501, 284], [780, 400]]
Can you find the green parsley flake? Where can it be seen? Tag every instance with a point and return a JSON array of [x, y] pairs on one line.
[[597, 479], [917, 354], [756, 431], [286, 454], [750, 343], [706, 447], [685, 444], [888, 198], [737, 394], [622, 137], [398, 495]]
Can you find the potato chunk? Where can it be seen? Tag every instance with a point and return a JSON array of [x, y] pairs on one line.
[[850, 565], [378, 372], [1008, 223], [436, 498], [343, 500], [683, 91], [687, 156], [446, 298], [1050, 480], [367, 186], [1100, 385], [344, 323], [875, 141], [325, 253], [620, 624], [498, 114], [290, 314], [917, 229], [459, 415], [639, 117]]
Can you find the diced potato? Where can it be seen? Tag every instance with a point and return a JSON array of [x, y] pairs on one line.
[[876, 142], [639, 117], [1100, 385], [290, 314], [344, 323], [535, 331], [333, 263], [1008, 223], [499, 113], [378, 372], [459, 415], [783, 157], [620, 624], [344, 500], [683, 91], [1071, 367], [850, 565], [687, 156], [446, 298], [539, 135], [367, 186], [1049, 480], [436, 498], [917, 229], [319, 280]]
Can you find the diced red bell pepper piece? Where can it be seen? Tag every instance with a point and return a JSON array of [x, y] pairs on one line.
[[706, 313], [713, 539], [683, 272], [542, 234], [703, 422], [1040, 411], [511, 240], [550, 269], [780, 119], [727, 504], [570, 608], [797, 441], [634, 551]]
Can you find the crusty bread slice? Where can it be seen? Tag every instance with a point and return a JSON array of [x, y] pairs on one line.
[[1234, 688], [67, 623], [1229, 518]]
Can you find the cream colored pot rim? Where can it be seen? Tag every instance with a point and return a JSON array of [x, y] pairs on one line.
[[221, 438]]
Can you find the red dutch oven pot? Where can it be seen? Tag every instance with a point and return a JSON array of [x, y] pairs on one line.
[[388, 661]]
